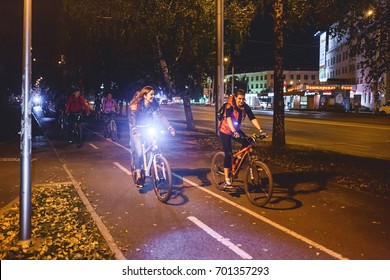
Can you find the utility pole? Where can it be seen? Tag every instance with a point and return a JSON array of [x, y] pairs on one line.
[[232, 77], [25, 133], [219, 84]]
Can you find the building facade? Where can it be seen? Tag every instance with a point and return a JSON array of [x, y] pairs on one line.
[[260, 85], [336, 66]]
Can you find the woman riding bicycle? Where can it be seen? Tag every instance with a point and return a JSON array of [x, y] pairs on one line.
[[235, 113], [109, 107], [143, 109]]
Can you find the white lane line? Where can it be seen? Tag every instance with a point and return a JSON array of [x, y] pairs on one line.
[[265, 220], [244, 255], [108, 139], [121, 167], [99, 223], [93, 146]]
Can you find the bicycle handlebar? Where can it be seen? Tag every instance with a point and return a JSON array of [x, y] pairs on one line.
[[263, 135]]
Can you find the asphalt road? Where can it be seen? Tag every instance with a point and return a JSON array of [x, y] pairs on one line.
[[363, 134], [316, 221]]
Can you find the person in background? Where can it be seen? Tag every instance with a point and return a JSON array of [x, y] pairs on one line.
[[75, 104], [109, 107], [97, 107]]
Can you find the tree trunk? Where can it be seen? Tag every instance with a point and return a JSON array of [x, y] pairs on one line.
[[278, 133], [172, 89]]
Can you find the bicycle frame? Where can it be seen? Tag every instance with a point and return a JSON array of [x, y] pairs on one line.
[[148, 161], [151, 150], [239, 157]]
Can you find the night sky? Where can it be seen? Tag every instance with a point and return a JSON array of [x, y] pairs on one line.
[[301, 50]]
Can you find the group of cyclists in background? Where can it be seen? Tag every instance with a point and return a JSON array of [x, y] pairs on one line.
[[77, 105]]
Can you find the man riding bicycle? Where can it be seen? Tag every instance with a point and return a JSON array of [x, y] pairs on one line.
[[235, 113], [109, 107], [143, 109], [75, 104]]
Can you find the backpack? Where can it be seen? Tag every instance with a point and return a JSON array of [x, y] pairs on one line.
[[221, 113]]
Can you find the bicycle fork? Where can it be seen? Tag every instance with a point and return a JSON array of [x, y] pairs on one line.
[[155, 168]]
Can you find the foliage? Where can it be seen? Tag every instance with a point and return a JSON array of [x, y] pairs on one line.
[[62, 229], [185, 29], [366, 30]]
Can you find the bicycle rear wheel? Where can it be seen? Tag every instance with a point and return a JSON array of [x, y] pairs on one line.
[[162, 179], [258, 183], [217, 170]]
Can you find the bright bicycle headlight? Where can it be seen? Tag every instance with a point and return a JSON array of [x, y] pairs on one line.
[[152, 131]]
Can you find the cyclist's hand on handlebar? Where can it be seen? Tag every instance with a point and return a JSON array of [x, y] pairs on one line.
[[135, 132], [263, 134]]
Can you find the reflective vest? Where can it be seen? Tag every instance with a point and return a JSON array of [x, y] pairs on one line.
[[238, 116]]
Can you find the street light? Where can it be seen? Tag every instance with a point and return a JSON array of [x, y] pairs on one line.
[[226, 59]]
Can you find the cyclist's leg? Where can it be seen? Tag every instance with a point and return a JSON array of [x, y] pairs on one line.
[[227, 148], [136, 144]]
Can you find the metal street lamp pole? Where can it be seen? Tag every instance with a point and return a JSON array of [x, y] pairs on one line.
[[219, 84], [232, 78], [25, 136]]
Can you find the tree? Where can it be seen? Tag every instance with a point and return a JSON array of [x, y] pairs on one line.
[[173, 38], [278, 132]]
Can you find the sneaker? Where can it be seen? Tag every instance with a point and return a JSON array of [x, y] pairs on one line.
[[139, 181], [228, 184]]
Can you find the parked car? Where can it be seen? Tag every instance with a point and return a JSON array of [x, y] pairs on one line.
[[385, 109], [165, 102]]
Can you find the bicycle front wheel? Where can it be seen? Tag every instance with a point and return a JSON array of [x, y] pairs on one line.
[[258, 183], [162, 178], [78, 135], [114, 133], [217, 170]]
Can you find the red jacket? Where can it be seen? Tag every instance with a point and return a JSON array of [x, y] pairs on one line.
[[76, 104]]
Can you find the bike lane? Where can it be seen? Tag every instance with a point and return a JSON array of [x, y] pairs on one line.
[[201, 222]]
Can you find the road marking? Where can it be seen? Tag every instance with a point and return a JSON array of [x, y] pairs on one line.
[[108, 139], [122, 168], [265, 220], [351, 144], [220, 238], [93, 146]]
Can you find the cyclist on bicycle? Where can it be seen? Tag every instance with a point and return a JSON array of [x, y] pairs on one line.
[[235, 113], [75, 104], [143, 109], [109, 106]]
